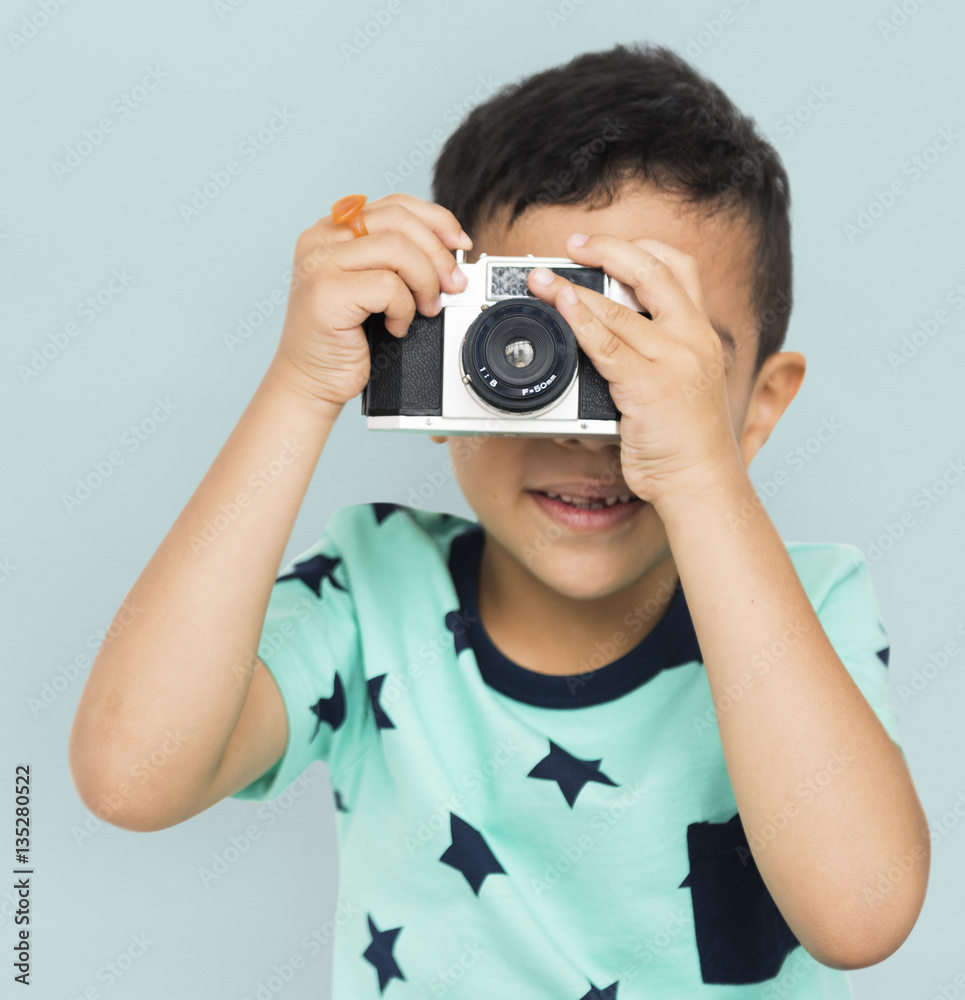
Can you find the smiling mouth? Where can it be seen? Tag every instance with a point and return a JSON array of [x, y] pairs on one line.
[[591, 503]]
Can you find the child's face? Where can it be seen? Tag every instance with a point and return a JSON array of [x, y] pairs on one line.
[[495, 473]]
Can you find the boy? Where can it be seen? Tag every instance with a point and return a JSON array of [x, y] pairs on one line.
[[617, 739]]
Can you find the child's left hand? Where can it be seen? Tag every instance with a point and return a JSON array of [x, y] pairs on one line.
[[666, 374]]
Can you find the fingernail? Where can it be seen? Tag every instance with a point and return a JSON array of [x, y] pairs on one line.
[[541, 275], [460, 239], [436, 306], [458, 276], [578, 239], [569, 296]]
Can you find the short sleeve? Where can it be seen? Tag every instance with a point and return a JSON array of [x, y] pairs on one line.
[[310, 643], [852, 622]]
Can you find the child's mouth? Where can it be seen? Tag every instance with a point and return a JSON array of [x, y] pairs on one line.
[[591, 504], [588, 514]]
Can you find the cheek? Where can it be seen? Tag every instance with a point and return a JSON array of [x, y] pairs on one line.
[[468, 456], [487, 471]]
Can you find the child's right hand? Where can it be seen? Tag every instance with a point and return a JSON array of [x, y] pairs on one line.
[[338, 279]]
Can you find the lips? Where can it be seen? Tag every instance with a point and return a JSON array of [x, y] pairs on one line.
[[588, 493], [587, 517], [590, 502]]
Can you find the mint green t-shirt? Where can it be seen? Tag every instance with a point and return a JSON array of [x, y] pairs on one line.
[[508, 833]]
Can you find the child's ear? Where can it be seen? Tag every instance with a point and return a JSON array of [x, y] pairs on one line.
[[776, 385], [439, 439]]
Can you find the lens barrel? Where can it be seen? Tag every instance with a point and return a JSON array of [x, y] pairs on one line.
[[489, 348]]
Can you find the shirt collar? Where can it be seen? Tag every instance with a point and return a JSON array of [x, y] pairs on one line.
[[671, 643]]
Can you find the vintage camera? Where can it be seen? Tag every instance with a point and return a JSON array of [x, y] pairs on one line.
[[495, 360]]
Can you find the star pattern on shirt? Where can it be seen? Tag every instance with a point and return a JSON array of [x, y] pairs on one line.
[[595, 993], [379, 954], [383, 510], [470, 854], [312, 571], [458, 624], [330, 710], [569, 772], [382, 721]]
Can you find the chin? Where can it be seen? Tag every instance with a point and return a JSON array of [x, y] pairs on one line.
[[582, 576], [586, 567]]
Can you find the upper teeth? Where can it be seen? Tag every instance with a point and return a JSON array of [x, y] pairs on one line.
[[583, 502]]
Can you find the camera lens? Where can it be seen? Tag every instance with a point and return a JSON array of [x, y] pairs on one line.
[[520, 355], [511, 329]]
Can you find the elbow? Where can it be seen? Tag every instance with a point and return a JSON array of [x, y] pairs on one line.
[[107, 796], [106, 799], [858, 954], [145, 796], [880, 919]]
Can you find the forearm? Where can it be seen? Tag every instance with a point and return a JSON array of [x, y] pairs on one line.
[[167, 687], [786, 728]]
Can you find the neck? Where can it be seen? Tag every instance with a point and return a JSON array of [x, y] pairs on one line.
[[543, 630]]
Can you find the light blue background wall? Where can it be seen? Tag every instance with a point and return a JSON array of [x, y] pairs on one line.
[[162, 337]]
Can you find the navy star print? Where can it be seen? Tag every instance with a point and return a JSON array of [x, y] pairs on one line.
[[457, 623], [379, 953], [470, 854], [594, 993], [382, 510], [569, 772], [312, 571], [382, 721], [330, 710]]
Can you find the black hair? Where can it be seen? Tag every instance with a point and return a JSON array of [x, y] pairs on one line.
[[576, 133]]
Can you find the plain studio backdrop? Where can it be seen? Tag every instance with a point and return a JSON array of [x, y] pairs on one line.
[[143, 296]]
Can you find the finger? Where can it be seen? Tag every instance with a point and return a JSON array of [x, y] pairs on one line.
[[611, 355], [623, 322], [685, 267], [652, 279], [438, 218], [394, 216], [435, 218], [397, 218], [362, 293], [394, 251]]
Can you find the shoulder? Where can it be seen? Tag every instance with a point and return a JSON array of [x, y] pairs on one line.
[[821, 566], [393, 558]]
